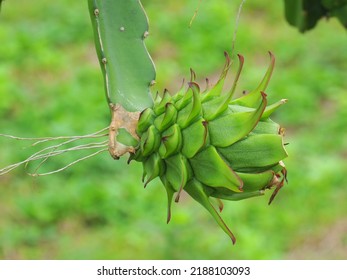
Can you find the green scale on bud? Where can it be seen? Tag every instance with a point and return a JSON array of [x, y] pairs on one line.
[[213, 146]]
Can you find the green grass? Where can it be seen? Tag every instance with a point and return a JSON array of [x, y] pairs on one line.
[[50, 85]]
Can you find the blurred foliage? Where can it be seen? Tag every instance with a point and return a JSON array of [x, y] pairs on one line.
[[50, 85], [304, 14]]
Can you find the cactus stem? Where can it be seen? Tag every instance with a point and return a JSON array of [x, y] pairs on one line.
[[103, 58]]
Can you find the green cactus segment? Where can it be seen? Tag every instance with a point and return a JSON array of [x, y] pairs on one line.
[[119, 29], [213, 147]]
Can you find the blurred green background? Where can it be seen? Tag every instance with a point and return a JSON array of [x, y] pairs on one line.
[[51, 85]]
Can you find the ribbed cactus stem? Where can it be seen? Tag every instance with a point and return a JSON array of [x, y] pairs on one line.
[[120, 28]]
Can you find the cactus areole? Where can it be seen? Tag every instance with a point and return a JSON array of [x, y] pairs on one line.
[[203, 142]]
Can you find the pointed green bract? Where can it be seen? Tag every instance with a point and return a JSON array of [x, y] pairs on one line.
[[213, 147], [262, 150], [170, 193], [215, 104], [146, 119], [171, 141], [253, 98], [150, 141], [177, 171], [194, 138], [197, 191], [193, 110], [210, 169], [272, 108], [267, 127], [233, 88], [166, 119], [153, 167], [218, 87], [161, 103], [227, 195], [226, 130], [256, 181]]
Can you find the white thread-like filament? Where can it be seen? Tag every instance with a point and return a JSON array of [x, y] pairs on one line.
[[55, 150]]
